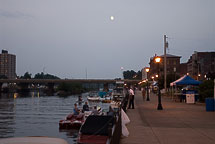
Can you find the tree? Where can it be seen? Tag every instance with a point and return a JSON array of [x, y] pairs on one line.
[[169, 78], [26, 76], [132, 74], [3, 77], [45, 76], [206, 89]]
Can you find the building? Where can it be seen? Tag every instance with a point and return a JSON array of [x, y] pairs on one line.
[[172, 65], [144, 73], [200, 64], [182, 69], [7, 65]]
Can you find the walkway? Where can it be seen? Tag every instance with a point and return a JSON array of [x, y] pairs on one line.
[[178, 123]]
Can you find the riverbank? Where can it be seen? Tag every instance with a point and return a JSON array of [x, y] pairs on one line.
[[177, 123]]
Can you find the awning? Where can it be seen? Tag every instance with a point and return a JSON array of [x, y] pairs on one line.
[[185, 80]]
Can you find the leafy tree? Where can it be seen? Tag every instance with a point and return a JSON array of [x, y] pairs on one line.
[[206, 89], [3, 77], [45, 76], [26, 76], [132, 74], [71, 88], [169, 78]]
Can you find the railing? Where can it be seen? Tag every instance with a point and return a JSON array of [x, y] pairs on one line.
[[118, 128]]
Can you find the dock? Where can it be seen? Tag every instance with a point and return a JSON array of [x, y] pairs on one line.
[[177, 123]]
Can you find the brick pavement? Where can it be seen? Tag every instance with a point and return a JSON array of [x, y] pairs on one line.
[[177, 123]]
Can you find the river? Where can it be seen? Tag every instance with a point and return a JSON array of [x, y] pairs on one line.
[[37, 115]]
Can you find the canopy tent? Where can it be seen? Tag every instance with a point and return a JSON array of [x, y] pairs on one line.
[[185, 80]]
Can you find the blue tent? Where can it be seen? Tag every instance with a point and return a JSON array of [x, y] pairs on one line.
[[185, 80]]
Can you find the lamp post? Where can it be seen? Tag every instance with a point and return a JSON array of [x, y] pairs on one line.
[[147, 85], [157, 60]]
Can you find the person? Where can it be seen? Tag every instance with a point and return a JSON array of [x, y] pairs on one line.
[[131, 98], [143, 93], [95, 111], [80, 99], [85, 107], [110, 112], [75, 110]]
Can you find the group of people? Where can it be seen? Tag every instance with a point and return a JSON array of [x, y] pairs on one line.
[[77, 111]]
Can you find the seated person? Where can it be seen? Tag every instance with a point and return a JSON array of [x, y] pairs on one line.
[[111, 111], [76, 110], [79, 98], [85, 107], [95, 111]]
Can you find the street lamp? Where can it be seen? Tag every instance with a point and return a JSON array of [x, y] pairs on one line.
[[157, 60], [147, 85]]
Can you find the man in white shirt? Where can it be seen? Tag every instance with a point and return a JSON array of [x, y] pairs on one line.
[[131, 98]]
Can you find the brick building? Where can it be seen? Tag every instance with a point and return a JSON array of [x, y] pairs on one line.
[[7, 65], [172, 65], [200, 64]]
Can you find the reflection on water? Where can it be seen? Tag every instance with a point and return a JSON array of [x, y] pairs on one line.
[[34, 114]]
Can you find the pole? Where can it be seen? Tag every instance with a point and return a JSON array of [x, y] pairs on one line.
[[159, 94], [147, 86], [214, 89], [165, 46]]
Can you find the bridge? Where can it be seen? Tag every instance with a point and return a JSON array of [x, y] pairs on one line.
[[58, 81], [50, 83]]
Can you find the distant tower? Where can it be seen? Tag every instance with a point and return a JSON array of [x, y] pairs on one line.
[[8, 65]]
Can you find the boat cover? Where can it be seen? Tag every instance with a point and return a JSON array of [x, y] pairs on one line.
[[97, 125]]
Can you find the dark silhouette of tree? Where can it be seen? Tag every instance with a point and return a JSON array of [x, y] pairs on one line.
[[3, 77], [206, 89], [45, 76], [26, 76]]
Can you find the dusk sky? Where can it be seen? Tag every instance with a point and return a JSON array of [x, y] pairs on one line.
[[69, 38]]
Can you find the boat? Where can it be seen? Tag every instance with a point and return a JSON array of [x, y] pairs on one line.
[[72, 121], [76, 121], [32, 140], [93, 96], [97, 129]]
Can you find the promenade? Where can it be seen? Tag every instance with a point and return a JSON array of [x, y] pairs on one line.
[[177, 123]]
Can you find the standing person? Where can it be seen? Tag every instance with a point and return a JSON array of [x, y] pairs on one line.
[[143, 93], [131, 98]]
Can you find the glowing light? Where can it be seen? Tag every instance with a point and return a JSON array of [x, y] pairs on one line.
[[112, 18], [147, 69], [157, 59]]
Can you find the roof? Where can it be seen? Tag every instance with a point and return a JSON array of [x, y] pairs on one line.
[[185, 80], [169, 55]]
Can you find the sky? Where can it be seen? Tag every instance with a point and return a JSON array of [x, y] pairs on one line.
[[78, 38]]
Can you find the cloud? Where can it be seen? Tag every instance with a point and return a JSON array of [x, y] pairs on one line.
[[14, 14]]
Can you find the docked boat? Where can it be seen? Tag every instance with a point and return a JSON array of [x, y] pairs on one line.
[[93, 96], [76, 121], [72, 121], [97, 129]]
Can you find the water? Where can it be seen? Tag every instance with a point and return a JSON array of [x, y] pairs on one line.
[[37, 115]]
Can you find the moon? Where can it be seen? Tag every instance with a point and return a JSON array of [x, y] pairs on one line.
[[112, 18]]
